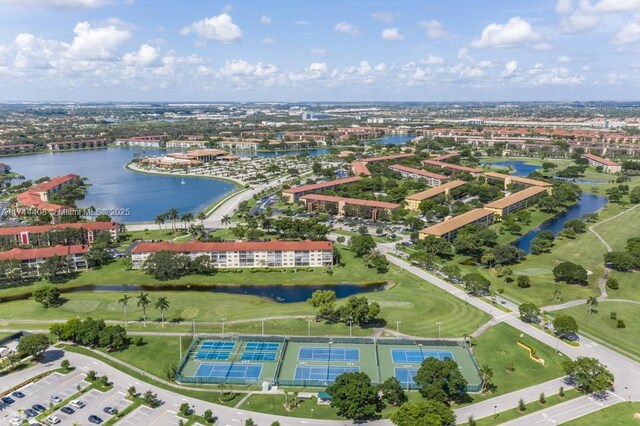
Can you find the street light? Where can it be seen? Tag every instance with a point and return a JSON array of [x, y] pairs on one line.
[[223, 320], [308, 327], [398, 327], [262, 320], [439, 324], [495, 411], [350, 326]]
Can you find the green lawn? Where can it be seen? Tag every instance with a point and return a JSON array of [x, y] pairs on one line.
[[620, 414], [416, 303], [629, 286], [604, 328], [498, 348], [537, 218], [617, 231]]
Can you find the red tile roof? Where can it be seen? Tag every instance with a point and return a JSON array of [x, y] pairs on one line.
[[31, 197], [518, 179], [600, 160], [41, 229], [418, 172], [354, 201], [359, 168], [451, 166], [42, 253], [322, 185], [204, 247], [385, 158], [53, 183]]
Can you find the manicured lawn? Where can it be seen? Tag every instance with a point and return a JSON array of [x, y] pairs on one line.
[[620, 414], [629, 286], [416, 303], [498, 349], [617, 231], [604, 328]]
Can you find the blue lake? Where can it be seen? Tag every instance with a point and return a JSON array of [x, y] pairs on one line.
[[589, 203], [272, 154], [114, 187], [393, 140], [520, 168]]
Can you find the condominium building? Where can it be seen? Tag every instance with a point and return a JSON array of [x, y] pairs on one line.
[[453, 168], [607, 165], [450, 227], [9, 149], [37, 196], [31, 260], [82, 144], [509, 179], [342, 206], [293, 194], [286, 254], [413, 201], [433, 179], [187, 144], [152, 141], [4, 168], [40, 235], [515, 202]]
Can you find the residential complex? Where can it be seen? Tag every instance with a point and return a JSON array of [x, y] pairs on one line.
[[82, 144], [293, 194], [31, 260], [607, 165], [453, 168], [433, 179], [186, 144], [37, 197], [450, 227], [152, 141], [286, 254], [413, 201], [515, 202], [39, 235], [510, 179], [342, 206]]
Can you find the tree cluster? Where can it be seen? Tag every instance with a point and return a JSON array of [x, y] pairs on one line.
[[627, 260], [90, 332], [571, 273], [357, 310], [168, 265]]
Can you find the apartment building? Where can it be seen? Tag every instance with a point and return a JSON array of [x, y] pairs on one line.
[[31, 260]]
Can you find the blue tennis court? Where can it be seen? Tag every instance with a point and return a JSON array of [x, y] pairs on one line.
[[328, 354], [229, 371], [213, 355], [324, 373], [405, 375], [217, 345], [258, 356], [416, 356], [261, 346]]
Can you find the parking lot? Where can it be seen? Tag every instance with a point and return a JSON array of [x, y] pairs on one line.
[[148, 416], [95, 402], [40, 392]]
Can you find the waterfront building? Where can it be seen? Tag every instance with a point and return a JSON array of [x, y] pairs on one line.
[[31, 260], [38, 235], [186, 144], [4, 169], [152, 141], [82, 144], [433, 179], [413, 201], [206, 155], [265, 254], [509, 179], [293, 194], [342, 206], [607, 165], [17, 148], [244, 144], [453, 168], [515, 202], [37, 196], [448, 229]]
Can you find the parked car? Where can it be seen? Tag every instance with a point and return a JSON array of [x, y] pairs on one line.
[[16, 421], [67, 410], [18, 394], [55, 399], [52, 420], [39, 408], [76, 404], [8, 400], [30, 412], [95, 419], [109, 410]]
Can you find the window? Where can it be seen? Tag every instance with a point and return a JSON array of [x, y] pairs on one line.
[[301, 258]]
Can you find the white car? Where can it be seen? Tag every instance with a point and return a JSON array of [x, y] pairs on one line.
[[16, 421], [52, 420], [56, 399], [76, 404]]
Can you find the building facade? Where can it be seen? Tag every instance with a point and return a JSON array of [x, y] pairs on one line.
[[449, 228], [607, 165], [38, 235], [432, 179], [515, 202], [31, 260], [414, 200]]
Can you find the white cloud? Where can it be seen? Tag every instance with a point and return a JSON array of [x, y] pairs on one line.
[[301, 23], [145, 56], [391, 34], [463, 55], [564, 6], [314, 71], [486, 63], [515, 33], [554, 76], [347, 28], [630, 33], [268, 40], [434, 29], [510, 68], [433, 60], [578, 22], [241, 68], [384, 16], [59, 4], [563, 59], [320, 51], [218, 28], [611, 6], [96, 42], [264, 19]]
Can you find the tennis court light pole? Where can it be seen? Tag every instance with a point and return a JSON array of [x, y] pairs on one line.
[[439, 324], [309, 327], [350, 326], [262, 320], [223, 320], [397, 326]]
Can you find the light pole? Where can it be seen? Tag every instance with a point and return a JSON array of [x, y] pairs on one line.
[[398, 327], [627, 389], [223, 320], [262, 320], [308, 327], [350, 326], [495, 411], [439, 324]]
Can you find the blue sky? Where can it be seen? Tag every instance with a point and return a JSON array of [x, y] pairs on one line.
[[346, 50]]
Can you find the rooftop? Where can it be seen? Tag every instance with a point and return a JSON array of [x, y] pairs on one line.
[[40, 229], [457, 222], [600, 160], [432, 192], [418, 172], [385, 158], [321, 185], [204, 247], [516, 197], [518, 179], [42, 253], [451, 166], [354, 201]]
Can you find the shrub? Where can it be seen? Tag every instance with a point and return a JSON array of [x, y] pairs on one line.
[[621, 324], [561, 392], [542, 399], [521, 407], [613, 315], [612, 283]]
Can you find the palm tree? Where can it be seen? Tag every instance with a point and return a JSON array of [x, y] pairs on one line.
[[124, 302], [201, 217], [592, 302], [486, 373], [173, 215], [226, 219], [160, 220], [143, 302], [163, 305], [185, 218]]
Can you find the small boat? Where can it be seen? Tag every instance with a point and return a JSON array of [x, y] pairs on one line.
[[183, 182]]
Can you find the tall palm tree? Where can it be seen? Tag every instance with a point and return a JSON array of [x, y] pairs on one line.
[[173, 215], [160, 220], [201, 217], [143, 302], [185, 218], [124, 301], [486, 373], [592, 302], [163, 305], [226, 219]]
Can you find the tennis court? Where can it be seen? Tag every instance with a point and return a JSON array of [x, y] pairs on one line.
[[416, 356], [330, 354], [405, 376], [229, 371], [262, 346], [322, 373], [213, 355], [218, 345], [258, 356]]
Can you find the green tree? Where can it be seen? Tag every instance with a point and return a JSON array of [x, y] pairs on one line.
[[441, 380], [33, 345], [162, 304], [354, 397], [55, 268], [362, 245], [151, 399], [424, 413], [144, 302], [167, 265], [528, 312], [475, 283], [565, 324], [377, 261], [392, 392], [486, 373], [124, 301], [523, 281], [570, 272], [588, 374], [48, 295], [324, 301], [593, 303]]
